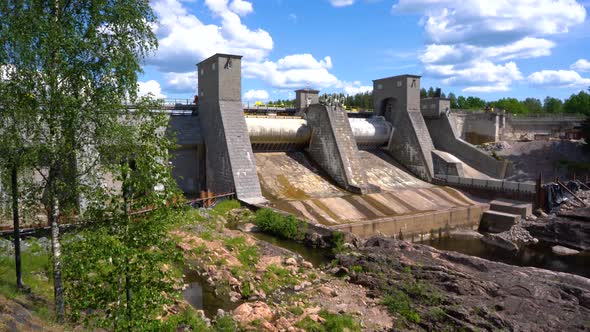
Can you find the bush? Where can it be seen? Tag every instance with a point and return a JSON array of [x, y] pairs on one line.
[[333, 323], [287, 227]]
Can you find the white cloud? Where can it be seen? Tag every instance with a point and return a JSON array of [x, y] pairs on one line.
[[352, 88], [341, 3], [256, 95], [152, 87], [492, 22], [293, 71], [470, 41], [558, 78], [582, 65], [241, 7], [480, 76], [184, 40], [181, 82]]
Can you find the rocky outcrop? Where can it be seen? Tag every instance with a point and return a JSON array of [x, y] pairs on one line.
[[564, 231], [452, 291]]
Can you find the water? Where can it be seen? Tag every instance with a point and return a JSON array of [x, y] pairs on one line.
[[316, 256], [539, 255], [201, 296]]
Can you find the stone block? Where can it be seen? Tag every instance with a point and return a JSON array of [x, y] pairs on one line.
[[453, 179], [509, 185], [513, 207], [497, 222]]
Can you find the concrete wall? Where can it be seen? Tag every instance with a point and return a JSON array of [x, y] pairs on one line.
[[334, 147], [305, 98], [446, 166], [398, 100], [419, 227], [230, 160], [554, 125], [446, 138]]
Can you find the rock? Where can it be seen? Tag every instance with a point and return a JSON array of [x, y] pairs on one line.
[[567, 232], [248, 228], [499, 241], [564, 251], [234, 296], [283, 324], [291, 261], [247, 312], [465, 234], [220, 312], [327, 291], [307, 265], [541, 214], [302, 286], [531, 218]]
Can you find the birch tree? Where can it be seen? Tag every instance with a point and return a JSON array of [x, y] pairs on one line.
[[77, 61]]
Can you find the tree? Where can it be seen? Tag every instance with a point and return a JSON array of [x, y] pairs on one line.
[[453, 99], [78, 60], [423, 93], [533, 105], [475, 103], [510, 105], [430, 92], [119, 271], [552, 105], [578, 103]]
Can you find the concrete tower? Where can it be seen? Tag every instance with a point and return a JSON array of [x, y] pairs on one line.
[[230, 165]]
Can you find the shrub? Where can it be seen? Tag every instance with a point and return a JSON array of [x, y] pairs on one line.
[[287, 227]]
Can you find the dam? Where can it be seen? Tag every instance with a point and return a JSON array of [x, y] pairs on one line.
[[381, 174]]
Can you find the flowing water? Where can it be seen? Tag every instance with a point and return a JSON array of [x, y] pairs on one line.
[[539, 255]]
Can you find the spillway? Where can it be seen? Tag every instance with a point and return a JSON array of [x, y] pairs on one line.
[[292, 133]]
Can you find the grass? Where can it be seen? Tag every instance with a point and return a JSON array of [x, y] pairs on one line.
[[333, 323], [276, 277], [286, 227], [189, 320], [399, 302], [223, 207], [246, 254]]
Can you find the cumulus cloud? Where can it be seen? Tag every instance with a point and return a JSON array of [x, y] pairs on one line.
[[341, 3], [581, 65], [293, 71], [558, 78], [256, 95], [181, 82], [352, 88], [492, 22], [483, 76], [475, 43], [184, 40], [241, 7], [150, 87]]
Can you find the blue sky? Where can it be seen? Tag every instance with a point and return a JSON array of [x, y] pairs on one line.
[[489, 49]]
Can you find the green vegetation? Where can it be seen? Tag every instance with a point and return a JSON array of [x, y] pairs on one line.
[[337, 242], [247, 254], [276, 277], [287, 227], [399, 302], [223, 207], [36, 273], [333, 323], [189, 320]]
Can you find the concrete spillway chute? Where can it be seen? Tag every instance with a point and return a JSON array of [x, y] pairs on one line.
[[370, 132]]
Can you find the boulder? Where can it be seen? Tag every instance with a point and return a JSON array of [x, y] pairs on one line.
[[564, 251], [247, 312], [499, 241]]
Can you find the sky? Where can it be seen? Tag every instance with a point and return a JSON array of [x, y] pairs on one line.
[[486, 48]]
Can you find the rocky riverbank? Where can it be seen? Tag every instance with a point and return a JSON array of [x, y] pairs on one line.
[[428, 289]]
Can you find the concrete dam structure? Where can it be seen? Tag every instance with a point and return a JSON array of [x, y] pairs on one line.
[[363, 175]]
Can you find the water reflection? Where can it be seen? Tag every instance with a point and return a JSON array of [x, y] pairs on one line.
[[539, 255], [202, 297]]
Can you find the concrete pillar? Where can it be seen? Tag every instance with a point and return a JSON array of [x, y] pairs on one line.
[[334, 147], [398, 100], [230, 162], [305, 98]]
